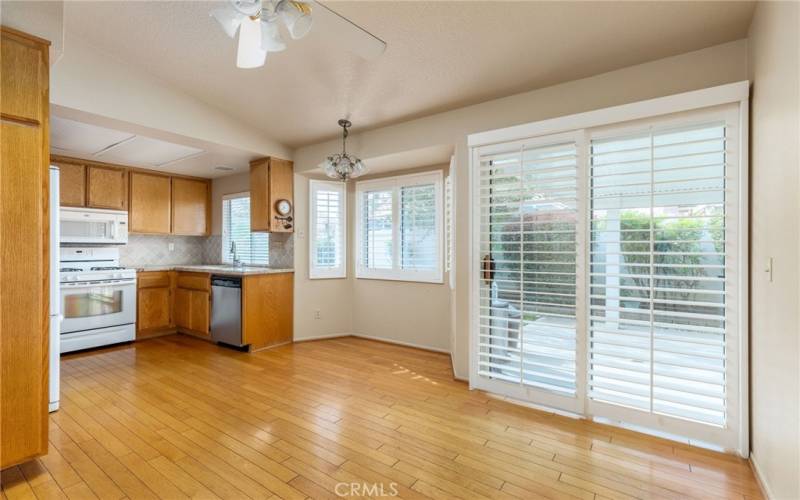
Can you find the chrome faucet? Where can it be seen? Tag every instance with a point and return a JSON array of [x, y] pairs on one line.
[[236, 261]]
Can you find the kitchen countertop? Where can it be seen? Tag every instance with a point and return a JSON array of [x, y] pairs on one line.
[[222, 269]]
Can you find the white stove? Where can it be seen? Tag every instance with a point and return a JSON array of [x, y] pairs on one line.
[[98, 298]]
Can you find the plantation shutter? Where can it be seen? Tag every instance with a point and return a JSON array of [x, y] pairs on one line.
[[528, 199], [328, 229], [658, 286], [251, 248], [377, 229], [448, 222], [419, 241]]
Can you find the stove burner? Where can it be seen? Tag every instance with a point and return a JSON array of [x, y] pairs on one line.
[[70, 270], [107, 268]]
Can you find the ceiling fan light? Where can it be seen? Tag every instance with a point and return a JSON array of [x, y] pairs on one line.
[[271, 37], [228, 19], [296, 16], [250, 54]]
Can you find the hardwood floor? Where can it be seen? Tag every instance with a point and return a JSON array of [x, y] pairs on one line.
[[176, 417]]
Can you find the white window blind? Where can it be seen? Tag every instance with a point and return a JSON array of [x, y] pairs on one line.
[[527, 318], [610, 266], [251, 248], [399, 228], [658, 271], [448, 223], [327, 229]]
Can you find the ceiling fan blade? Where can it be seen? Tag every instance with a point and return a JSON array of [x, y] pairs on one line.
[[347, 33]]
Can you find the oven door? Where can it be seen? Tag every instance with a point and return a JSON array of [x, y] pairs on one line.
[[91, 305]]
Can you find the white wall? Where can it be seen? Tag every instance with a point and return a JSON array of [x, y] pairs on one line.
[[775, 223], [700, 69]]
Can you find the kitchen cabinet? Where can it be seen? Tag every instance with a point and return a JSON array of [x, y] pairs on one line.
[[271, 180], [72, 184], [150, 203], [153, 303], [192, 303], [107, 187], [267, 310], [191, 207], [24, 260]]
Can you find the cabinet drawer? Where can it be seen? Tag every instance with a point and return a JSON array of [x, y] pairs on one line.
[[153, 279], [194, 281]]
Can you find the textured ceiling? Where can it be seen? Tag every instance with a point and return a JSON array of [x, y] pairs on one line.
[[440, 55]]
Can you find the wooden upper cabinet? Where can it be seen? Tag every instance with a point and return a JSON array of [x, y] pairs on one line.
[[190, 207], [72, 184], [24, 77], [271, 180], [107, 187], [150, 203]]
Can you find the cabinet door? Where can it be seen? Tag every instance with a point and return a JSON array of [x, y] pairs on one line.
[[107, 187], [72, 184], [24, 309], [24, 76], [150, 203], [281, 187], [190, 207], [154, 308], [200, 311], [183, 308]]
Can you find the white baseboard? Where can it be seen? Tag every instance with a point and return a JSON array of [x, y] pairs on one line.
[[397, 342], [323, 337], [369, 337], [760, 478]]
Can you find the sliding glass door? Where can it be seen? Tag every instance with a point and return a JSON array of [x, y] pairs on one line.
[[528, 290], [607, 272]]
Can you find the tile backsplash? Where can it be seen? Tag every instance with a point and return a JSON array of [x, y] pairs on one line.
[[154, 250]]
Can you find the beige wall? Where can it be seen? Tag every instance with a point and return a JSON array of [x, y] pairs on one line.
[[408, 313], [416, 314], [704, 68], [775, 220]]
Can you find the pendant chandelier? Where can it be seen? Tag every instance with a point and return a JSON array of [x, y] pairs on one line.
[[343, 166]]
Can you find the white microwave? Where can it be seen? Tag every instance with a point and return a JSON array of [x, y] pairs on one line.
[[93, 226]]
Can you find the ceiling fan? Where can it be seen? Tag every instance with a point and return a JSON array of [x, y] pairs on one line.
[[258, 23]]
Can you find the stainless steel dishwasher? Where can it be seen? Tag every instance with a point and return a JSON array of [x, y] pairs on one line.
[[226, 310]]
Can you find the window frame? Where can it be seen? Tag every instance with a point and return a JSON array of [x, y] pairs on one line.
[[316, 273], [223, 250], [397, 273]]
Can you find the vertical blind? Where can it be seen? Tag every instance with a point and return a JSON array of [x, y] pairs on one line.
[[658, 255], [327, 229], [252, 248], [528, 216]]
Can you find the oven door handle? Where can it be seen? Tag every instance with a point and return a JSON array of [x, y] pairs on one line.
[[95, 284]]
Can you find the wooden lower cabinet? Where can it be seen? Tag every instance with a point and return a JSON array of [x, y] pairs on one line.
[[192, 303], [181, 301], [267, 310], [154, 303]]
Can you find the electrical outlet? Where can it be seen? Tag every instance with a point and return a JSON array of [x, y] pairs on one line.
[[317, 314], [171, 247]]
